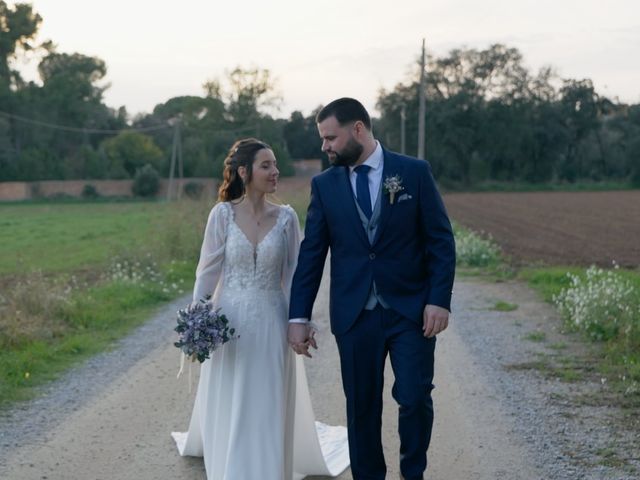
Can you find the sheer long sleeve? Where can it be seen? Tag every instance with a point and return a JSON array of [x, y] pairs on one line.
[[292, 243], [211, 260]]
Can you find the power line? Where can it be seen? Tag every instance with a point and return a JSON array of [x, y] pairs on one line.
[[82, 130], [153, 128]]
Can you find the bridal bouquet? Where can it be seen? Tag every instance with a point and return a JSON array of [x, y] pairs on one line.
[[201, 330]]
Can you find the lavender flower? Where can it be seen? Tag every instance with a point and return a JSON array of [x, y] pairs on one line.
[[202, 329]]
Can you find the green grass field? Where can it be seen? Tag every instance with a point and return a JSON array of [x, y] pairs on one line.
[[71, 236]]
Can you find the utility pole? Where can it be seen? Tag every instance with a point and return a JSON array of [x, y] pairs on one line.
[[180, 164], [421, 113], [403, 142], [176, 153]]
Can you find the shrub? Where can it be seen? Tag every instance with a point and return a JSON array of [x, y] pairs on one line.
[[146, 182], [601, 303], [29, 308], [474, 251], [89, 192], [129, 151]]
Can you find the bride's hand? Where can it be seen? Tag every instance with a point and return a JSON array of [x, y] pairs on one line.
[[312, 339], [300, 338]]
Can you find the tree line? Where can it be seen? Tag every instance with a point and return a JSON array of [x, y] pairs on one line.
[[60, 127], [488, 119]]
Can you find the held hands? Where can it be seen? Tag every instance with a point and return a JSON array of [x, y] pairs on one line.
[[435, 319], [300, 337]]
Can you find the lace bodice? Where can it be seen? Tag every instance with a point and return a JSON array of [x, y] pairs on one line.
[[229, 258], [256, 269]]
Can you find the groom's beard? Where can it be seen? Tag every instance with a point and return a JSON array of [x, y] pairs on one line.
[[349, 155]]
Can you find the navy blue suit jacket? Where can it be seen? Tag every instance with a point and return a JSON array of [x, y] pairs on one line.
[[412, 258]]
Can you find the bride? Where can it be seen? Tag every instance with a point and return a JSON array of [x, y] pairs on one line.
[[252, 417]]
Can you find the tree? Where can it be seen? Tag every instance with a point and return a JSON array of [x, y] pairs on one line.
[[200, 119], [633, 153], [301, 136], [249, 94], [250, 91], [70, 96], [70, 89], [580, 106], [488, 118], [129, 151], [18, 27]]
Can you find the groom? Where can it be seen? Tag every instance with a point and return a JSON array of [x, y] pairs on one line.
[[392, 269]]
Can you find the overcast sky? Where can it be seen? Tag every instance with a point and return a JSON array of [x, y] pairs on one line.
[[318, 51]]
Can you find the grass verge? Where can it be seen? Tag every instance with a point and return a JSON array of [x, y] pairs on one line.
[[604, 307], [109, 267], [92, 319]]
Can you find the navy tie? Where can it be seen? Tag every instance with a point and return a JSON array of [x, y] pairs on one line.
[[362, 189]]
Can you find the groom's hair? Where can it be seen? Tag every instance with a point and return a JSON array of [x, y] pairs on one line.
[[346, 110]]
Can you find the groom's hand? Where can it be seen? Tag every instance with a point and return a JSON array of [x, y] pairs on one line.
[[300, 337], [435, 320]]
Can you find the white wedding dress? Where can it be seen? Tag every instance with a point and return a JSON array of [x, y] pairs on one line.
[[252, 417]]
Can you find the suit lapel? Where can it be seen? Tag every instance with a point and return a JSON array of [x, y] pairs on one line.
[[391, 167], [346, 202]]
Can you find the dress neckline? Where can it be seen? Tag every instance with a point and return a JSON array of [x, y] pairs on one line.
[[244, 235]]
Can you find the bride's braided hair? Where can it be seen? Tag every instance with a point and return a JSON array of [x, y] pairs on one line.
[[241, 154]]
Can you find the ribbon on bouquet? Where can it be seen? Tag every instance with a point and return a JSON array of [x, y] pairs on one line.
[[181, 371]]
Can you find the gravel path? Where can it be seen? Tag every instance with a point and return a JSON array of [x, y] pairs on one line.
[[495, 419]]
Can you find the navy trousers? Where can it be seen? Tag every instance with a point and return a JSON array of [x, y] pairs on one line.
[[363, 352]]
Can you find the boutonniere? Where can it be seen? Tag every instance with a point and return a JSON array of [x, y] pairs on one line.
[[392, 185]]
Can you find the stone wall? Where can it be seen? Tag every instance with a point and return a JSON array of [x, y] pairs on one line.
[[15, 191]]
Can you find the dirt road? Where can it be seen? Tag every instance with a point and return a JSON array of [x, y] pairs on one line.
[[111, 418]]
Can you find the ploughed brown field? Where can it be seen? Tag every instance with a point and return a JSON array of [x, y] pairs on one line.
[[565, 228]]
